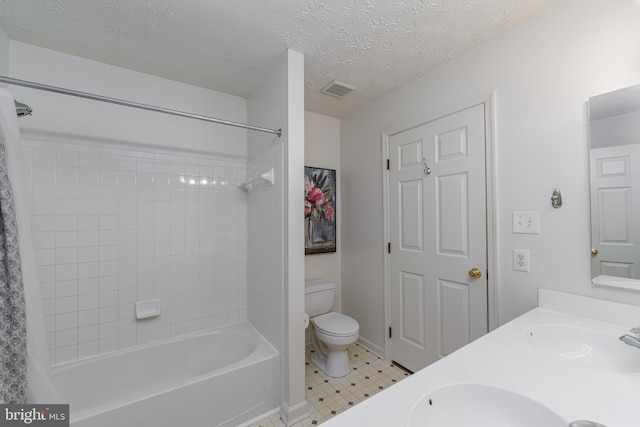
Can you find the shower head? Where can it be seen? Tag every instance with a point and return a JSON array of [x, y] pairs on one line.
[[22, 109]]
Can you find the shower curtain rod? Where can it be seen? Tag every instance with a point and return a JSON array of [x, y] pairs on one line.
[[116, 101]]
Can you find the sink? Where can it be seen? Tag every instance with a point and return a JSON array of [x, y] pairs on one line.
[[479, 405], [587, 348]]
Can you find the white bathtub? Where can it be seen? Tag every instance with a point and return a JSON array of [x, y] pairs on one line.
[[224, 377]]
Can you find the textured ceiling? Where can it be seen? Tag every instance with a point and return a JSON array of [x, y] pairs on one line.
[[229, 45]]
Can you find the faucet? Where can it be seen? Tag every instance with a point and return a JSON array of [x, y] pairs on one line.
[[585, 423], [630, 339]]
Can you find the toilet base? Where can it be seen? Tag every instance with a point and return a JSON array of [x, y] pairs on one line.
[[333, 362]]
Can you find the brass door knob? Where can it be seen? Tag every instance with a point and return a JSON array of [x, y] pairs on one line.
[[475, 273], [594, 252]]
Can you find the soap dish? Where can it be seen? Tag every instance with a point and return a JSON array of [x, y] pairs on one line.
[[147, 309]]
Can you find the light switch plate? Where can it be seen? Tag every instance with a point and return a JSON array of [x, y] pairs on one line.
[[526, 223]]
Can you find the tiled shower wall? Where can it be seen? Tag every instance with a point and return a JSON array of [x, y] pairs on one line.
[[266, 253], [113, 226]]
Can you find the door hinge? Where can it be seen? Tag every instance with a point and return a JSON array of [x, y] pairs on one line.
[[389, 331], [389, 247], [388, 164]]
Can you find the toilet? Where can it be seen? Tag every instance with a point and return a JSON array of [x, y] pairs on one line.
[[332, 333]]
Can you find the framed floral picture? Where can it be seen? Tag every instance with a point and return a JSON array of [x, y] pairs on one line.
[[319, 210]]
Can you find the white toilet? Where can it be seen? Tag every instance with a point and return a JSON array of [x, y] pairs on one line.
[[331, 332]]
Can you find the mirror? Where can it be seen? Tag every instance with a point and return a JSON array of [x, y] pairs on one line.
[[614, 151]]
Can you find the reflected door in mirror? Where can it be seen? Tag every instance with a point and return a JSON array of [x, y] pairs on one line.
[[614, 137]]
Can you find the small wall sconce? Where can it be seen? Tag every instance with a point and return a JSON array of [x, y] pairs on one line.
[[556, 198]]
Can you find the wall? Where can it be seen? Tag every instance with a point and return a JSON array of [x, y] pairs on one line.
[[68, 118], [124, 212], [322, 149], [276, 249], [4, 54], [621, 129], [542, 73]]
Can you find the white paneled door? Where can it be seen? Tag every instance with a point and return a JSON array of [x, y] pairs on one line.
[[438, 238], [615, 175]]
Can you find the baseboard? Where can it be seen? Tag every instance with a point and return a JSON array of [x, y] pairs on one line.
[[375, 349], [260, 417], [292, 415]]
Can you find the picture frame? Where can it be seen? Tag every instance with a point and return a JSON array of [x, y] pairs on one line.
[[319, 210]]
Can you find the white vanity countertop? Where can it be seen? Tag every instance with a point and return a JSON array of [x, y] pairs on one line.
[[506, 358]]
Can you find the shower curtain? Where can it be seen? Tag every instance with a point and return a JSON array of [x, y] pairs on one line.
[[13, 315]]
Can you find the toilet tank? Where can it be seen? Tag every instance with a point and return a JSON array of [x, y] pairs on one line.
[[318, 297]]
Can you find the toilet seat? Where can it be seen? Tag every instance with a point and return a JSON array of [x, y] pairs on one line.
[[336, 325]]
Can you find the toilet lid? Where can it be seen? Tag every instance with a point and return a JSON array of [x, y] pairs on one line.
[[336, 324]]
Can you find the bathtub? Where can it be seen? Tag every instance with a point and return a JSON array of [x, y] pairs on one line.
[[224, 377]]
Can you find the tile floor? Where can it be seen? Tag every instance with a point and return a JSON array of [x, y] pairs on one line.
[[329, 396]]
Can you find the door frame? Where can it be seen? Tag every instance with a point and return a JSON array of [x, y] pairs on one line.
[[492, 239]]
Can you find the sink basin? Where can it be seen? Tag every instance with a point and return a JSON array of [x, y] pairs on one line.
[[587, 348], [479, 405]]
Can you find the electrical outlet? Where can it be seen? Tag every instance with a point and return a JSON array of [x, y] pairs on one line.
[[526, 222], [521, 260]]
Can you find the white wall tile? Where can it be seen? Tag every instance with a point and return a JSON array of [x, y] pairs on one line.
[[66, 338], [65, 190], [127, 340], [89, 191], [88, 222], [65, 305], [126, 178], [161, 179], [65, 207], [66, 288], [48, 290], [108, 345], [108, 192], [66, 174], [67, 321], [145, 165], [108, 329], [66, 239], [88, 286], [88, 333], [108, 162], [108, 268], [88, 302], [47, 273], [43, 223], [66, 158], [46, 256], [43, 240], [66, 354], [88, 270], [66, 272], [113, 227], [88, 160], [126, 163], [127, 193], [43, 173], [88, 349], [88, 176], [88, 317], [43, 156]]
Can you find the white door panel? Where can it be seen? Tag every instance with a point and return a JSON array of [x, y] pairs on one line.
[[437, 213], [612, 199]]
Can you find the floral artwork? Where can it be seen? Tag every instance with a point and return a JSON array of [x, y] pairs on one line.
[[319, 210]]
